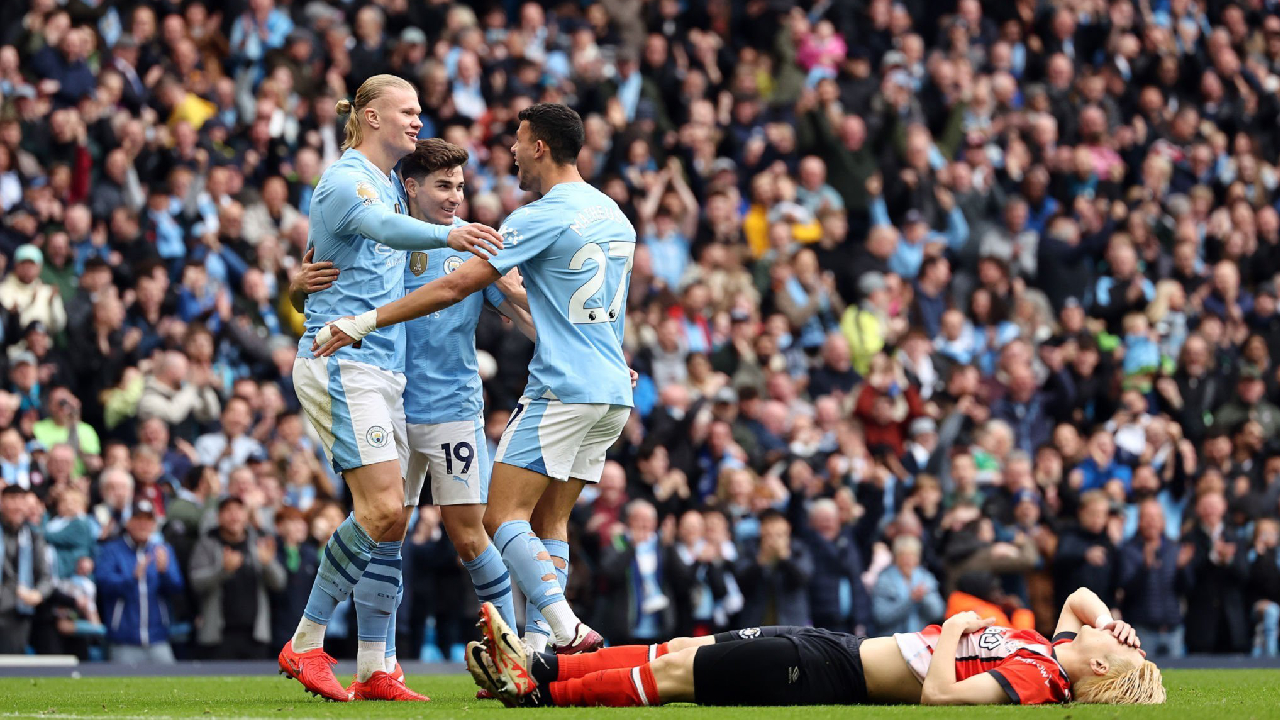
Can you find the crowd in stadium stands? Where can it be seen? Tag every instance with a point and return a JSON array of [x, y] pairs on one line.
[[938, 306]]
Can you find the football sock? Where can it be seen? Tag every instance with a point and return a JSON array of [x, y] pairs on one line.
[[375, 600], [536, 629], [529, 561], [610, 688], [342, 563], [492, 582], [390, 653], [610, 658]]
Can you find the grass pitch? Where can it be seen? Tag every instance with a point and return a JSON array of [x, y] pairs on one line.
[[1193, 694]]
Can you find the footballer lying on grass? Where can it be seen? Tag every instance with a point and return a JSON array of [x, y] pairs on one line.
[[966, 661]]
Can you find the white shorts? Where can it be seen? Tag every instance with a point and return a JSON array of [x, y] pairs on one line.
[[561, 441], [457, 456], [357, 410]]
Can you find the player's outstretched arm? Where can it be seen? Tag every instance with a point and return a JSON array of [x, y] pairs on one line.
[[475, 274], [352, 207], [940, 686]]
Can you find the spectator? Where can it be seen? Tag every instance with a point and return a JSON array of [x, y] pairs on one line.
[[25, 296], [64, 414], [774, 573], [838, 599], [300, 561], [72, 533], [637, 573], [171, 397], [1154, 578], [905, 595], [232, 571], [25, 576], [1216, 618], [230, 447], [1087, 554], [137, 576]]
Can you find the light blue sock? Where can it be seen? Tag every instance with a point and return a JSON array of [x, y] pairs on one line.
[[391, 624], [342, 562], [492, 582], [375, 594], [520, 549], [533, 620]]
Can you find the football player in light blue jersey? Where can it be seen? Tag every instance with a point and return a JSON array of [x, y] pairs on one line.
[[575, 248], [353, 399], [443, 395]]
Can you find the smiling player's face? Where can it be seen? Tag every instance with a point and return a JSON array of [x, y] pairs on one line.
[[398, 113], [439, 195], [523, 151]]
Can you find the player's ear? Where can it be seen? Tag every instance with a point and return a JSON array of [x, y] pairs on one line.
[[1099, 666], [411, 187], [371, 116]]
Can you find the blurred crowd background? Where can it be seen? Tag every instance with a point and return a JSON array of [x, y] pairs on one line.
[[937, 306]]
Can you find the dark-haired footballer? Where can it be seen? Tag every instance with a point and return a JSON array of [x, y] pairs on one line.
[[965, 661]]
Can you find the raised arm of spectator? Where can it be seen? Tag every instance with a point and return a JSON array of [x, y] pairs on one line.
[[648, 207], [689, 220], [957, 232]]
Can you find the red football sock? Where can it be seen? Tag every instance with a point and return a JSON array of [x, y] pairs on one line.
[[622, 656], [620, 687]]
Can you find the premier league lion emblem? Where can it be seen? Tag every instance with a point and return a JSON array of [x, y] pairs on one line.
[[367, 193]]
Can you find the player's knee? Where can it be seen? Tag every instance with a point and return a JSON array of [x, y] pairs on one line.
[[674, 668], [469, 546], [380, 518], [492, 522], [684, 643]]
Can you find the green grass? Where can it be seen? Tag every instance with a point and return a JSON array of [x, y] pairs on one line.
[[1193, 694]]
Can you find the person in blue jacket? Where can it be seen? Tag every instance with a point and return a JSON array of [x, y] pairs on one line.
[[136, 575]]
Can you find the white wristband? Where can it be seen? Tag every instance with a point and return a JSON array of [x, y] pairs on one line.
[[1103, 620], [355, 328]]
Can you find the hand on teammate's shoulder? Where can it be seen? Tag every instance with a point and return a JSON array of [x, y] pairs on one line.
[[476, 238]]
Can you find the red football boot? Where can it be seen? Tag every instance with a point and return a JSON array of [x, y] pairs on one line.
[[398, 674], [381, 686], [314, 669]]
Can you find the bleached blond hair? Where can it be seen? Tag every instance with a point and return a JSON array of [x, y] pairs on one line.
[[370, 90], [1125, 683]]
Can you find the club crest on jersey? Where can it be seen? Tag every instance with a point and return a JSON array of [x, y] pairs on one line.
[[749, 633], [989, 639], [417, 263], [451, 263], [367, 193], [376, 436], [510, 235]]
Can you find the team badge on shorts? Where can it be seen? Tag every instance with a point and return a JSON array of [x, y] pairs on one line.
[[417, 263], [376, 436], [749, 633], [367, 193], [451, 263]]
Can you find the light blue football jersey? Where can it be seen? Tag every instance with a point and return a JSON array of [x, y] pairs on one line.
[[372, 274], [442, 377], [575, 250]]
